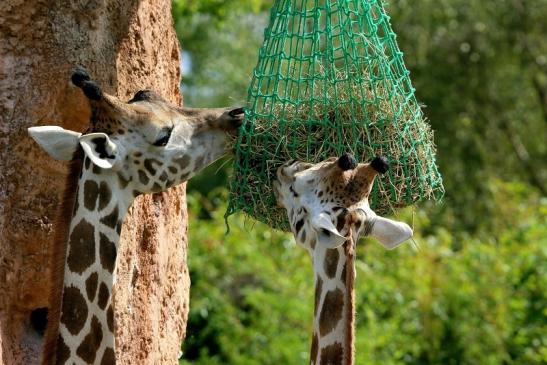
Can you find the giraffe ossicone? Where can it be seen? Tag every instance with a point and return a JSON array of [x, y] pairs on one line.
[[141, 146], [328, 210]]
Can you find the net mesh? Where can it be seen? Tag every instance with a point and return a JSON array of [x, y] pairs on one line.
[[330, 79]]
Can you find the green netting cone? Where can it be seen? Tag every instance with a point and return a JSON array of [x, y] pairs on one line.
[[330, 78]]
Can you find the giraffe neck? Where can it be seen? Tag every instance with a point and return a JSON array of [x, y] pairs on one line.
[[333, 324], [84, 328]]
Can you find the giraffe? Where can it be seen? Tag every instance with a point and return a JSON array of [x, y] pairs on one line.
[[328, 210], [145, 145]]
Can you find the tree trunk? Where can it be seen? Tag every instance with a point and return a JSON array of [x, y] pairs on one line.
[[127, 45]]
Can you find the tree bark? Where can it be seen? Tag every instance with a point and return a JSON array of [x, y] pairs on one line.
[[127, 45]]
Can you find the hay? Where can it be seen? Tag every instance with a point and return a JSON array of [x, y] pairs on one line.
[[365, 121], [330, 79]]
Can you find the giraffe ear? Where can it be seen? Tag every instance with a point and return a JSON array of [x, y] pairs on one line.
[[58, 142], [327, 234], [100, 149], [390, 233]]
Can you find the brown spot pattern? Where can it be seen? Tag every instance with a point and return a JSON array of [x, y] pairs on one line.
[[303, 236], [331, 262], [123, 182], [91, 343], [104, 295], [183, 161], [110, 318], [63, 352], [119, 227], [331, 311], [74, 310], [91, 190], [143, 178], [104, 195], [341, 220], [318, 290], [109, 357], [91, 286], [149, 165], [81, 253], [112, 219], [314, 348], [332, 354], [298, 226], [313, 242], [183, 177], [107, 253]]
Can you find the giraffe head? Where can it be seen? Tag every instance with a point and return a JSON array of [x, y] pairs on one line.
[[328, 200], [148, 142]]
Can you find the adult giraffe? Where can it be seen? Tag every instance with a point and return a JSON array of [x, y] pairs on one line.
[[142, 146], [328, 210]]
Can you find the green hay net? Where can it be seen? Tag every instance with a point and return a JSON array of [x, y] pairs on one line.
[[330, 79]]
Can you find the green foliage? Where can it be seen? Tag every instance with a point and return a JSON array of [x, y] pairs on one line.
[[483, 302], [478, 66], [223, 50], [217, 9]]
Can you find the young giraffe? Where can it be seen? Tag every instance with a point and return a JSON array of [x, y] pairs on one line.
[[142, 146], [328, 210]]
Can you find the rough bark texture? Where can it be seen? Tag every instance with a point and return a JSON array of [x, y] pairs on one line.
[[127, 45]]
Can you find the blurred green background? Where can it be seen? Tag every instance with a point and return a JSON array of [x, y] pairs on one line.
[[476, 291]]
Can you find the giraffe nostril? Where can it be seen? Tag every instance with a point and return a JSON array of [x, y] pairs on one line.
[[235, 113], [347, 162]]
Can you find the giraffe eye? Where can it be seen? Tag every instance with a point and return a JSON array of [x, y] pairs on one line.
[[163, 138]]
